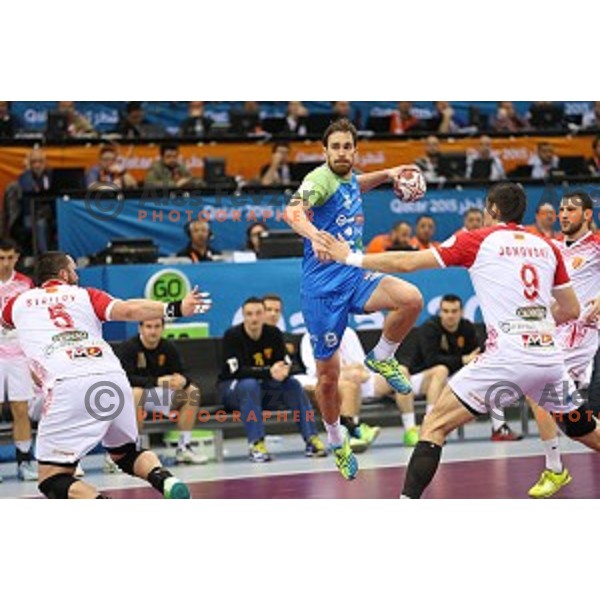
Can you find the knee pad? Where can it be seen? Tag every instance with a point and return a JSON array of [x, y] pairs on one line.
[[130, 454], [57, 486], [578, 423]]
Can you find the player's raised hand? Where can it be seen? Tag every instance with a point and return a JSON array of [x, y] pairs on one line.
[[338, 249], [395, 172], [319, 249], [196, 303], [592, 312]]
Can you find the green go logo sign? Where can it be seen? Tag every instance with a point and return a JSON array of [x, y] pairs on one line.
[[168, 285]]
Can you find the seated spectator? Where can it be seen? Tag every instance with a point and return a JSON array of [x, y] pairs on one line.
[[161, 384], [369, 385], [278, 171], [397, 239], [197, 124], [546, 116], [430, 163], [247, 120], [256, 375], [424, 232], [77, 124], [254, 237], [594, 162], [198, 249], [8, 123], [403, 120], [447, 343], [507, 120], [591, 119], [110, 172], [134, 125], [544, 162], [445, 119], [37, 178], [473, 219], [168, 171], [545, 218], [485, 152], [342, 109], [295, 119]]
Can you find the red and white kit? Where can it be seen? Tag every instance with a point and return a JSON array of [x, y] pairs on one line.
[[14, 371], [59, 328], [578, 339], [513, 273]]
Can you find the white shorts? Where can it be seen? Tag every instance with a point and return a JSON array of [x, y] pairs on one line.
[[158, 400], [494, 382], [80, 413], [15, 377], [579, 345]]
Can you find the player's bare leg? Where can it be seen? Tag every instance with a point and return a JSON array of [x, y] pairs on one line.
[[447, 415], [329, 400], [555, 476], [405, 303], [22, 438]]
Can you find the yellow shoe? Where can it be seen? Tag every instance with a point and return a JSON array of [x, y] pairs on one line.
[[411, 437], [345, 460], [550, 483]]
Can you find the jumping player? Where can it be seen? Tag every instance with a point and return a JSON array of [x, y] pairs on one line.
[[59, 328], [515, 275], [580, 249], [330, 199], [15, 378]]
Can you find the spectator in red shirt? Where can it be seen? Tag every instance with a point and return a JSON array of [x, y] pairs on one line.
[[402, 119], [545, 218]]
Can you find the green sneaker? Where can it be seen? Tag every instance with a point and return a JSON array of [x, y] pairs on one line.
[[390, 370], [367, 433], [358, 445], [411, 437], [175, 489], [345, 460], [550, 483]]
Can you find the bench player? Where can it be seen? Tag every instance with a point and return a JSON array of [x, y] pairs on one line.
[[59, 328], [515, 275]]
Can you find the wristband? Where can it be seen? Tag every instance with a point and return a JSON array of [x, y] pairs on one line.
[[355, 259], [172, 310]]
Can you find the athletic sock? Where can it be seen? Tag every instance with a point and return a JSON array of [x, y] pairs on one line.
[[385, 349], [23, 451], [157, 477], [335, 433], [553, 458], [185, 439], [408, 420], [497, 421], [421, 469], [351, 424]]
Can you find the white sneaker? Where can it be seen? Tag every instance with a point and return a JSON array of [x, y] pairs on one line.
[[79, 472], [27, 472], [110, 466], [188, 456]]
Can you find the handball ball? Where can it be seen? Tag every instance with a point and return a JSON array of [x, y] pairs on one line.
[[410, 185]]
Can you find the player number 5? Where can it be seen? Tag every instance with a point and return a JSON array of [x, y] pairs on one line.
[[60, 317]]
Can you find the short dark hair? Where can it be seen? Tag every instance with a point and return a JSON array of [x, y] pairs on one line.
[[452, 298], [340, 126], [585, 200], [133, 106], [398, 224], [425, 217], [49, 266], [166, 147], [279, 145], [6, 244], [252, 300], [511, 200], [107, 148], [473, 210], [140, 323], [273, 298]]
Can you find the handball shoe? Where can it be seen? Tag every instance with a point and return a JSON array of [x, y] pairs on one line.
[[390, 370], [550, 483]]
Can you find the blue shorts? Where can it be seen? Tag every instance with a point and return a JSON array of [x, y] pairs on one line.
[[326, 317]]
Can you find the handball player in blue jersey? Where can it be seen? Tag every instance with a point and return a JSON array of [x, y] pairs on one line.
[[330, 200]]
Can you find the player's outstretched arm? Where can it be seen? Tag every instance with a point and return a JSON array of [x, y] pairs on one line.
[[369, 181], [387, 262], [567, 307], [194, 303]]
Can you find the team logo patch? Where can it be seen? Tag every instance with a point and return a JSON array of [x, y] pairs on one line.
[[577, 262], [538, 341]]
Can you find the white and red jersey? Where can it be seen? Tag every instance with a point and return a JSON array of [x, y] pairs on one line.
[[18, 283], [514, 273], [59, 328]]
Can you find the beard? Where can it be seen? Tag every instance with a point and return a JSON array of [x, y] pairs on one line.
[[571, 228], [340, 169]]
